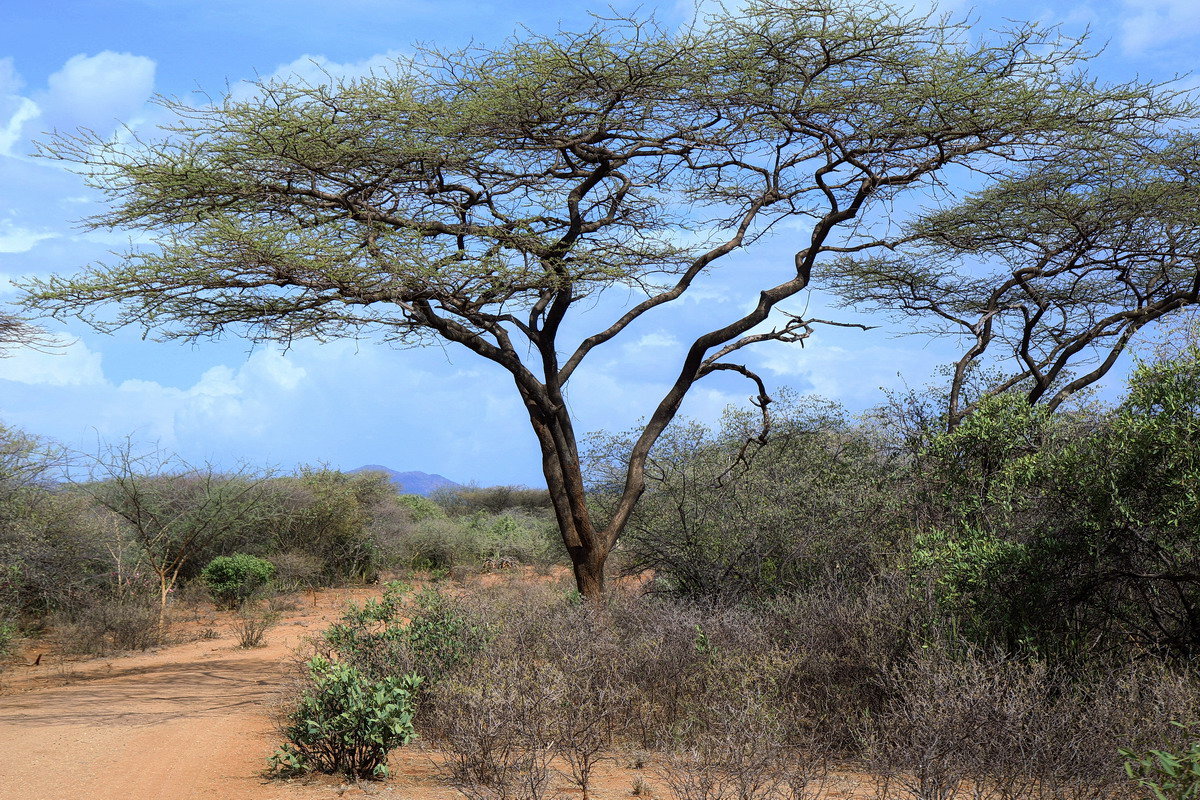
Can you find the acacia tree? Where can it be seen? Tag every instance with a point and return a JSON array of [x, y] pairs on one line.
[[1081, 255], [483, 196]]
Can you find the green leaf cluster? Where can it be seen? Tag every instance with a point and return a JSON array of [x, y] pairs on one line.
[[427, 637], [347, 723], [1168, 774]]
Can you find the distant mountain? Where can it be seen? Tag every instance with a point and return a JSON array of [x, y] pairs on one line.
[[421, 483]]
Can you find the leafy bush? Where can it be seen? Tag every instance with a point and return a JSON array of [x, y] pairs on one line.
[[467, 500], [331, 517], [232, 579], [1168, 774], [346, 723], [385, 638], [728, 515], [296, 571], [8, 635], [1075, 531], [439, 543], [421, 508]]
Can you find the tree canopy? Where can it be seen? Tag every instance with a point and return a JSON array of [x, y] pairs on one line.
[[481, 196]]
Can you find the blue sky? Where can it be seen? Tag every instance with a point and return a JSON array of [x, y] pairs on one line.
[[72, 63]]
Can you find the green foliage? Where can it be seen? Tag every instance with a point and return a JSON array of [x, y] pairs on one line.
[[442, 542], [422, 508], [1077, 528], [1168, 774], [329, 515], [8, 636], [998, 438], [729, 516], [493, 500], [233, 579], [428, 637], [346, 723], [439, 635]]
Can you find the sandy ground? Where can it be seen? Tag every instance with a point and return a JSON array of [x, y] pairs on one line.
[[196, 720], [192, 720]]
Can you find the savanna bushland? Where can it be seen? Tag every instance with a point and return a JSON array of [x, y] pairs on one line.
[[986, 588]]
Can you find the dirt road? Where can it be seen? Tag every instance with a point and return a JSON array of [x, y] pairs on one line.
[[188, 721]]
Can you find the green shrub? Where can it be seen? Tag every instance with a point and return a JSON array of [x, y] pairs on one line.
[[1168, 775], [346, 723], [421, 508], [439, 635], [440, 543], [232, 579], [428, 638]]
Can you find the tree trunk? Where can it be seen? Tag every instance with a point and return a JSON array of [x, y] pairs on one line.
[[587, 547], [164, 589], [589, 574]]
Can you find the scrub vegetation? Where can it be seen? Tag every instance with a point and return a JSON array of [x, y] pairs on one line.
[[988, 589]]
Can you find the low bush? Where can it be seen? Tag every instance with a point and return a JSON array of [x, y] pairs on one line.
[[1012, 728], [297, 571], [427, 636], [233, 579], [8, 637], [437, 543], [346, 723], [498, 729], [252, 623], [110, 624]]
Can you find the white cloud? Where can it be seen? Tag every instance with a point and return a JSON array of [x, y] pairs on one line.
[[852, 375], [16, 239], [658, 339], [15, 110], [97, 91], [65, 363], [224, 401], [1147, 24], [10, 81], [316, 70], [25, 111], [319, 69]]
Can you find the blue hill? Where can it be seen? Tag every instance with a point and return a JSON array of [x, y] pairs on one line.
[[421, 483]]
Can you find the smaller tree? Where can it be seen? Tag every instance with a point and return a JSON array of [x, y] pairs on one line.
[[328, 515], [1048, 274], [172, 510], [728, 514], [1077, 530]]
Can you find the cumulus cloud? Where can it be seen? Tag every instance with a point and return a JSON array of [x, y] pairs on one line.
[[225, 401], [65, 362], [91, 91], [98, 90], [852, 375], [15, 110], [17, 239], [1149, 23], [316, 70]]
